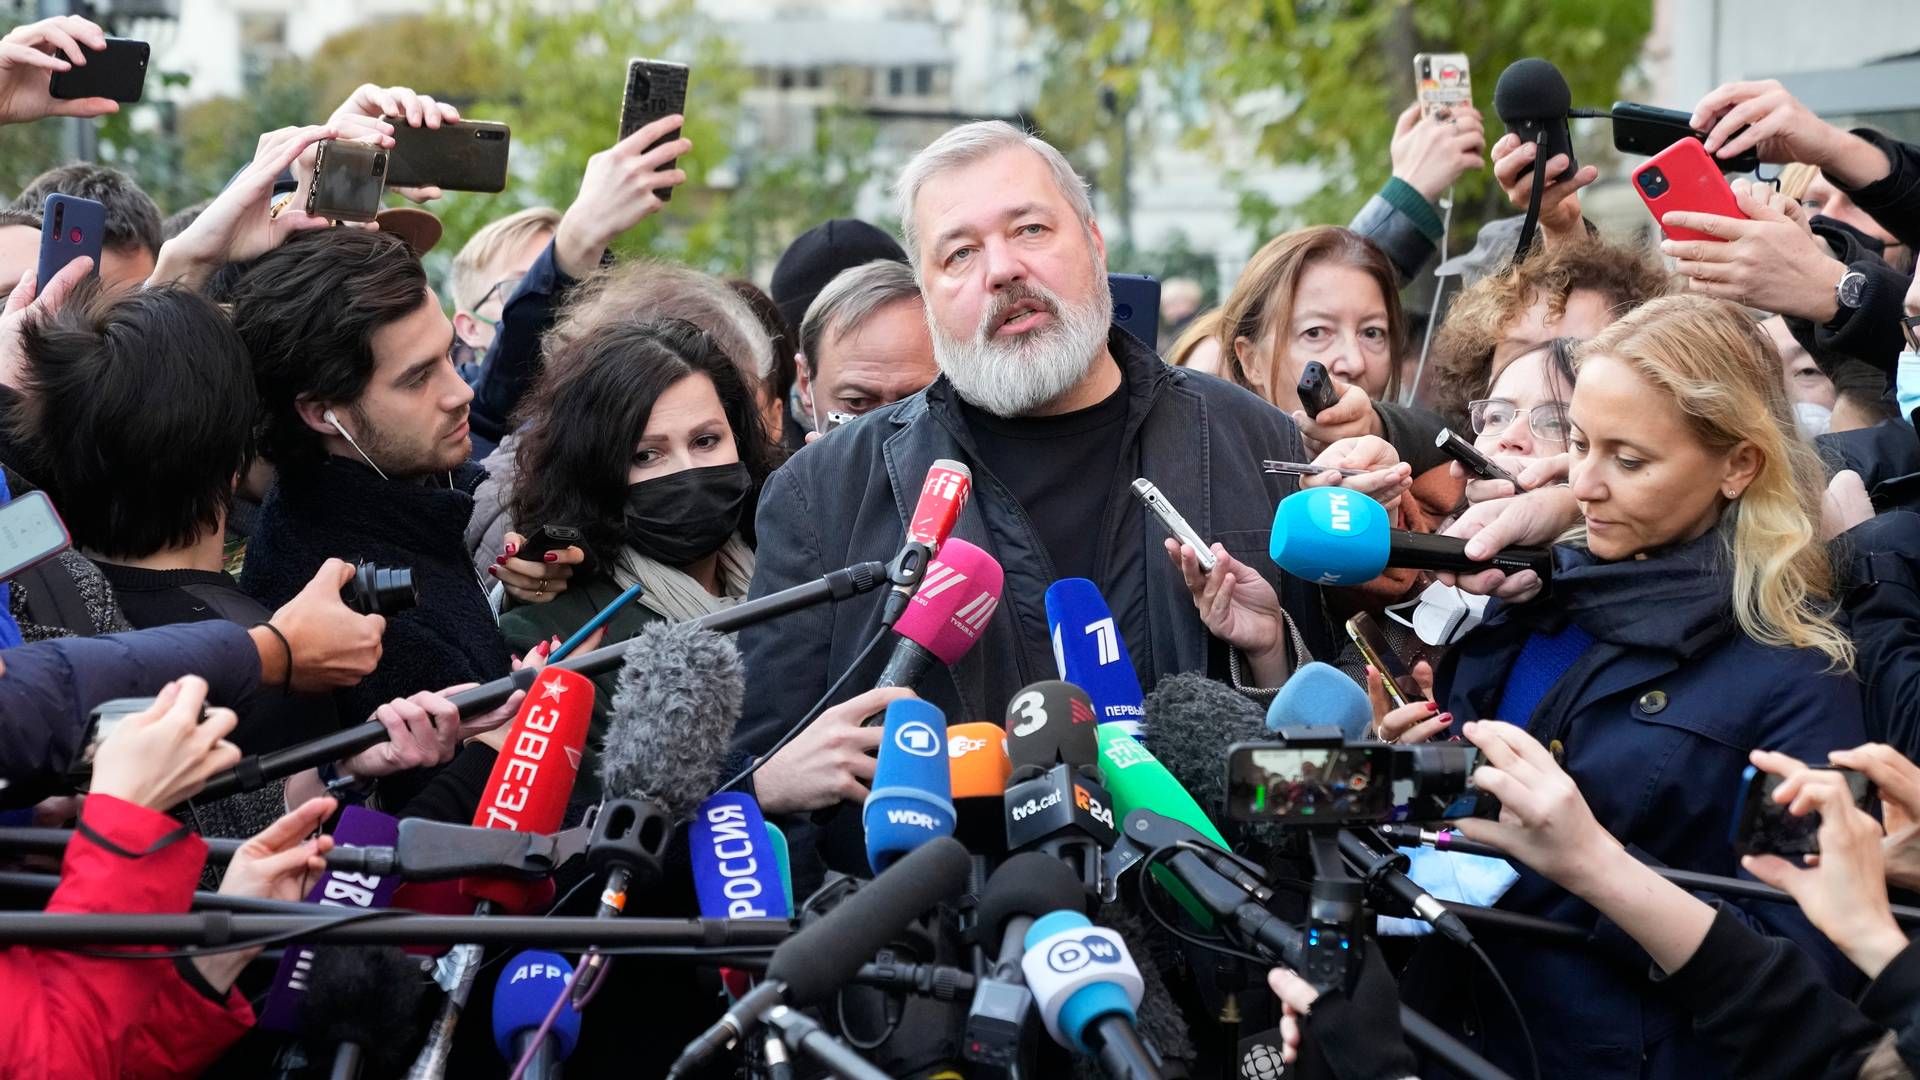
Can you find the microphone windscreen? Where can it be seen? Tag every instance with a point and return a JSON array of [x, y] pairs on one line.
[[680, 696], [1321, 695], [369, 996], [911, 801], [942, 496], [1191, 721], [358, 826], [736, 873], [1330, 536], [977, 761], [1531, 89], [1089, 653], [955, 601], [827, 954], [1048, 722], [529, 985], [1031, 883]]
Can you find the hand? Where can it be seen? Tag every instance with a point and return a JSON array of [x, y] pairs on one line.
[[1844, 505], [401, 103], [30, 54], [1766, 262], [163, 755], [1357, 1034], [1350, 417], [239, 225], [1898, 780], [1387, 477], [274, 865], [1544, 820], [617, 193], [1238, 606], [1297, 996], [1430, 153], [23, 307], [1844, 890], [422, 731], [1559, 200], [1911, 302], [1414, 722], [1535, 518], [1531, 472], [348, 127], [333, 646], [830, 761], [1784, 131], [534, 582]]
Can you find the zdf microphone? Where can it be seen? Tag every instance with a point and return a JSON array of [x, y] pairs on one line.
[[911, 801], [978, 767], [1332, 536]]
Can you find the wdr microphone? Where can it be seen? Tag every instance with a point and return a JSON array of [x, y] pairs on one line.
[[1089, 653], [949, 612], [942, 496], [529, 985], [1321, 695], [912, 797], [1332, 536]]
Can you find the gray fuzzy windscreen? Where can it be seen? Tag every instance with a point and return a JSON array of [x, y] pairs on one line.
[[681, 691], [1190, 722]]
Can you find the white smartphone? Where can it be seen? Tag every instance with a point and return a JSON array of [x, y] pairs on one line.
[[1177, 526], [31, 532]]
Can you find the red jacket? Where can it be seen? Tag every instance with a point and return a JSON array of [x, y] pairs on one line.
[[67, 1015]]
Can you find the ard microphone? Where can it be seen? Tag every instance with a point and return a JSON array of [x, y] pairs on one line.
[[1533, 101], [978, 768], [1089, 653], [911, 802], [942, 496], [529, 985], [947, 615], [1318, 696], [1332, 536]]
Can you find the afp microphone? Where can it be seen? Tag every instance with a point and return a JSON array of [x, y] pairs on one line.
[[1332, 536], [1089, 653], [942, 496], [529, 985], [948, 613], [911, 802]]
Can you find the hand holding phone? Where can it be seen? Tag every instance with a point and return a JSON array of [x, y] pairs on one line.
[[1162, 508], [117, 72], [1762, 826], [1316, 389], [468, 155], [1478, 465], [70, 227], [656, 89], [1684, 177], [1395, 677], [348, 180]]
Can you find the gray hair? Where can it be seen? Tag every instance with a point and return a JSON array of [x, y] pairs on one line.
[[969, 143], [643, 290], [849, 300]]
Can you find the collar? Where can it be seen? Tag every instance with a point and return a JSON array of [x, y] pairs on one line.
[[351, 491]]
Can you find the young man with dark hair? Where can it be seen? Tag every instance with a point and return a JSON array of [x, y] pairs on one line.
[[132, 240], [366, 422]]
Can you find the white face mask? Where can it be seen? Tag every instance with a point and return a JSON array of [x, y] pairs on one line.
[[1441, 614], [1906, 384], [1811, 418]]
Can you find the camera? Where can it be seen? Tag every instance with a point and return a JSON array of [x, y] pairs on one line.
[[1653, 182], [102, 722], [379, 164], [1326, 780], [380, 590]]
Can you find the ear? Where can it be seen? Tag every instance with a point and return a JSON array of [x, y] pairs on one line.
[[464, 325], [1743, 465], [801, 383], [1248, 353], [1099, 243], [311, 413]]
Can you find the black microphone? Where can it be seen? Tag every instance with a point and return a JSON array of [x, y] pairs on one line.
[[999, 1032], [1386, 871], [362, 1009], [812, 964], [1533, 101]]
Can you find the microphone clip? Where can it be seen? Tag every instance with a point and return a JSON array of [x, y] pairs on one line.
[[630, 835], [904, 574]]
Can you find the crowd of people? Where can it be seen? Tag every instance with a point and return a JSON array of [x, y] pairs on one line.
[[241, 404]]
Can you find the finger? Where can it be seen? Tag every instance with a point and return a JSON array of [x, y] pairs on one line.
[[1423, 675], [1488, 490], [1774, 762], [216, 724], [1718, 100], [568, 556], [1772, 870], [1427, 730], [54, 295], [1377, 695], [1520, 586], [296, 823], [647, 133], [1723, 141], [22, 293], [1292, 989], [410, 103], [653, 159], [282, 863], [875, 700], [190, 696], [36, 58], [430, 112], [862, 766], [1409, 116], [64, 42]]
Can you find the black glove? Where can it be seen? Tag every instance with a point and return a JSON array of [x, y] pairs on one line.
[[1358, 1035]]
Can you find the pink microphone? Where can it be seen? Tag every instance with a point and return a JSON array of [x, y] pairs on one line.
[[948, 613]]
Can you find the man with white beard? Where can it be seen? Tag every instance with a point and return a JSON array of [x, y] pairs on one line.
[[1056, 412]]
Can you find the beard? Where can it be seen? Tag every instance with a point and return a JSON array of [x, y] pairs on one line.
[[1011, 377], [401, 457]]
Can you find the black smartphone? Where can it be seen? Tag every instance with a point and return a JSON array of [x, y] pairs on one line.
[[1402, 689], [550, 538], [69, 228], [1477, 464], [655, 88], [118, 71], [468, 156], [1645, 130], [1316, 389], [1763, 827], [348, 180], [1319, 785], [1136, 305]]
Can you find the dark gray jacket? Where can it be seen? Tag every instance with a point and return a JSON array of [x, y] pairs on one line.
[[846, 499]]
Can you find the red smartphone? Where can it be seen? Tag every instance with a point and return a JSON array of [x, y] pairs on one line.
[[1684, 177]]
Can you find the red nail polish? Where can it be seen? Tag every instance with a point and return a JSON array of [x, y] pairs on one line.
[[500, 560], [1433, 706], [494, 570], [511, 548], [1445, 718], [551, 556]]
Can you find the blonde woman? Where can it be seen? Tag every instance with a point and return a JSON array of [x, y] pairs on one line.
[[1693, 627]]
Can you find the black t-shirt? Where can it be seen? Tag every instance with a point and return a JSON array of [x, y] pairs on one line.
[[1060, 469], [166, 597]]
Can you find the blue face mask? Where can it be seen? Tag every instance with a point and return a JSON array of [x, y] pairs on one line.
[[1906, 384]]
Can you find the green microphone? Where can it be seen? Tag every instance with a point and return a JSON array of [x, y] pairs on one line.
[[1137, 780]]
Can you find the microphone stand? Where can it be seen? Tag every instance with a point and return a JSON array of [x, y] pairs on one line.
[[804, 1036], [388, 927]]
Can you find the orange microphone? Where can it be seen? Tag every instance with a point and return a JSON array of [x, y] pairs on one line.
[[977, 758]]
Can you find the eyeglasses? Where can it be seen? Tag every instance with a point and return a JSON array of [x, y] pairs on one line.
[[501, 290], [1910, 325], [1490, 416]]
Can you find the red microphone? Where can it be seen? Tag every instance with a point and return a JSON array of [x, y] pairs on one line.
[[942, 497]]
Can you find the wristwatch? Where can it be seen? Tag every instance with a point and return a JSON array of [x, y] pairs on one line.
[[1849, 291]]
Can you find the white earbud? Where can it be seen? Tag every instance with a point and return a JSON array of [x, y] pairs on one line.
[[335, 421]]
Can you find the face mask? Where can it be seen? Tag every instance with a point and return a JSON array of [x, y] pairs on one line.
[[1811, 418], [1441, 615], [1906, 385], [681, 518]]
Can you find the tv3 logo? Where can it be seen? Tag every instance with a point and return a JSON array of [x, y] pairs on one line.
[[1067, 957], [973, 614]]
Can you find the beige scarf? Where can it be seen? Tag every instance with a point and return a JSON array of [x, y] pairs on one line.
[[677, 597]]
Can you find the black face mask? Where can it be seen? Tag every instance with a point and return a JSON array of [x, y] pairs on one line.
[[680, 518]]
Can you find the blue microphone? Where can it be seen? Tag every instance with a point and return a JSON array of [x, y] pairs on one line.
[[1089, 653], [529, 985], [736, 870], [912, 797], [1321, 695], [1332, 536]]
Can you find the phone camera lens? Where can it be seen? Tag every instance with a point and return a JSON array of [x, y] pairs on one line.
[[642, 87], [74, 236], [1653, 182], [1123, 312], [379, 164]]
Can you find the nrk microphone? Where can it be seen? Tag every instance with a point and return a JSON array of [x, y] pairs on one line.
[[949, 612], [1049, 722], [1087, 988], [1089, 653], [529, 985], [1332, 536], [942, 497], [911, 802], [978, 767], [1318, 696]]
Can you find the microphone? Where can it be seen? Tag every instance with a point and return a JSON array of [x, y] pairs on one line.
[[1191, 722], [942, 496], [1321, 695], [360, 1009], [529, 986], [1139, 781], [737, 872], [947, 615], [1533, 101], [1087, 988], [978, 768], [812, 964], [336, 888], [1332, 536], [911, 802], [1089, 653], [1060, 809], [1025, 887], [1047, 722]]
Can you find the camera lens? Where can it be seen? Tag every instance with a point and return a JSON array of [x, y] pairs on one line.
[[379, 164], [380, 590], [642, 87], [1653, 181]]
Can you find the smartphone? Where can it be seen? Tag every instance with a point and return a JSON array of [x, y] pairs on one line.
[[1763, 827], [1316, 389], [1684, 177], [69, 228], [1301, 468], [1321, 785], [655, 88], [348, 180], [1136, 305], [118, 71], [550, 538], [31, 532], [468, 156], [1395, 676], [836, 419], [1645, 130], [1441, 82], [1477, 464], [1176, 526]]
